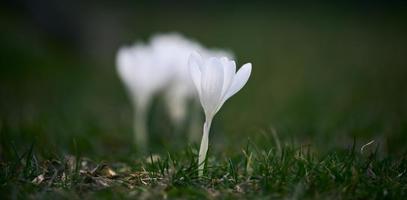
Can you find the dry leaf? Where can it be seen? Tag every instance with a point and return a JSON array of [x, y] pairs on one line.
[[38, 180]]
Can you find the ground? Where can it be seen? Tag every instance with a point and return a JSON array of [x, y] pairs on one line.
[[294, 173]]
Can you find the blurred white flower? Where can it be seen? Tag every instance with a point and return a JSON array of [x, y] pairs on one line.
[[216, 81], [143, 79], [172, 51]]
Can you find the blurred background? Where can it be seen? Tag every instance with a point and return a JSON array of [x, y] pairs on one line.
[[323, 75]]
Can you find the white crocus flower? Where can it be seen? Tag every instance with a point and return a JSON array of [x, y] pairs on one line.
[[143, 79], [195, 123], [216, 81], [172, 51]]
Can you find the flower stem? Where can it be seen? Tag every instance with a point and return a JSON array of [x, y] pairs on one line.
[[140, 130], [204, 146]]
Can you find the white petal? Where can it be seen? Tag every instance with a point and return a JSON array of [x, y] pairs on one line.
[[239, 80], [229, 68], [194, 62], [211, 85], [125, 66], [197, 59]]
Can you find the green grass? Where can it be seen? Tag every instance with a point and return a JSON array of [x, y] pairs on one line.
[[294, 172]]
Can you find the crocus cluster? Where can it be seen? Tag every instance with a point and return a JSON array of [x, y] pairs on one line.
[[160, 66], [172, 64]]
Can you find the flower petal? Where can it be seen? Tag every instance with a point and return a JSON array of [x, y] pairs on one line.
[[229, 68], [240, 79], [125, 63], [196, 58], [195, 62], [211, 86]]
